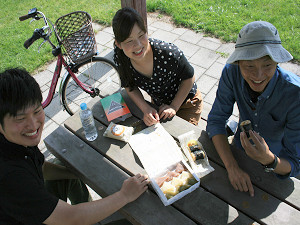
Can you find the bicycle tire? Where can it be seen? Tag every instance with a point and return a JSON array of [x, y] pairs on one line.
[[97, 72]]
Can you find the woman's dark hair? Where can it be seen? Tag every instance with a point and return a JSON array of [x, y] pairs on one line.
[[18, 90], [122, 25]]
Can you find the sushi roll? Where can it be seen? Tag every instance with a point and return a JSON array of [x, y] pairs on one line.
[[199, 154], [246, 127]]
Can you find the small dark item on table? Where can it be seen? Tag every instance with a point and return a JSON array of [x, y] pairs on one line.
[[199, 154]]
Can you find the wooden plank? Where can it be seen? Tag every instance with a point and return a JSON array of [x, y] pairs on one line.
[[117, 151], [106, 178], [264, 207], [123, 155]]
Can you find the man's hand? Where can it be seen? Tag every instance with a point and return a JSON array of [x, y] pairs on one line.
[[240, 180], [133, 187], [166, 111], [150, 116], [259, 151]]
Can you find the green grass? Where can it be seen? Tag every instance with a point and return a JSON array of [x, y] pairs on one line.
[[224, 18], [14, 33], [220, 18]]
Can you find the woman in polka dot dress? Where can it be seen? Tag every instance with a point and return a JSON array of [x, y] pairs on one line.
[[157, 67]]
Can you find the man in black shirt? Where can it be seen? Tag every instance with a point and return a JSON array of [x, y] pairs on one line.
[[23, 196]]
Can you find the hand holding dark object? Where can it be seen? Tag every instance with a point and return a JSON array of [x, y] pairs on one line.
[[259, 151]]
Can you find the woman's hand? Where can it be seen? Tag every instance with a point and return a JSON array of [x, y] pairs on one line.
[[150, 116], [166, 111]]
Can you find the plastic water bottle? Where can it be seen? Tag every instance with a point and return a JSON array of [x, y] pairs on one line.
[[88, 123]]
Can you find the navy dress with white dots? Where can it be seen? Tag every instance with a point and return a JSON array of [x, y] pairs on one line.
[[170, 67]]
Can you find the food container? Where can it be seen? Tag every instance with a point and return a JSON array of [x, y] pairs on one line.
[[160, 154], [195, 154]]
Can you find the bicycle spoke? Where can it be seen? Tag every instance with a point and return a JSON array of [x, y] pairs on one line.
[[99, 73]]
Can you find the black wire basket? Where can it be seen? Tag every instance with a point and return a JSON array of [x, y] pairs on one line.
[[75, 33]]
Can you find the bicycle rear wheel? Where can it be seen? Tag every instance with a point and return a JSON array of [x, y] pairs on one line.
[[97, 72]]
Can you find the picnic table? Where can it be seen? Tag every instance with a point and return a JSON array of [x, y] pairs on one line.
[[105, 163]]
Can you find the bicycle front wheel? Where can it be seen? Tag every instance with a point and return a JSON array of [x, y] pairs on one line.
[[96, 73]]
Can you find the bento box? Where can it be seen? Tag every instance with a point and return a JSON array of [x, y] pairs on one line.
[[171, 177]]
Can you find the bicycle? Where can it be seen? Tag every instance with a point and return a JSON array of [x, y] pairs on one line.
[[77, 52]]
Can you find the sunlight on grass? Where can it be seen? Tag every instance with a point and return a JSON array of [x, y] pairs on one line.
[[219, 18], [224, 18]]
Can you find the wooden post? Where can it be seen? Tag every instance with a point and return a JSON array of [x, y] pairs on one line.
[[139, 5]]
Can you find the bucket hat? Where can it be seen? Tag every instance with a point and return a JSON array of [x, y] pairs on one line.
[[258, 39]]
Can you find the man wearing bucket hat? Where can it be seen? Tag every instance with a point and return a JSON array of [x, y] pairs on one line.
[[268, 96]]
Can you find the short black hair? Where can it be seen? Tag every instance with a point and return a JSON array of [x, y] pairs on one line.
[[18, 91]]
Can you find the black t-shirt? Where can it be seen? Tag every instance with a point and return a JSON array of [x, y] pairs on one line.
[[23, 197], [170, 68]]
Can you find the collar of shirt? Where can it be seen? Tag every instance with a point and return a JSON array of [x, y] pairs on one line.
[[12, 151]]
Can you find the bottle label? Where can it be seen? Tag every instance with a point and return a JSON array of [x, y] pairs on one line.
[[87, 121]]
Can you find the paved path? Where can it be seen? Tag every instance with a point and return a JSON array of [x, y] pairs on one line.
[[207, 55]]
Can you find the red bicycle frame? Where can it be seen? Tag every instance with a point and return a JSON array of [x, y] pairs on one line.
[[61, 61]]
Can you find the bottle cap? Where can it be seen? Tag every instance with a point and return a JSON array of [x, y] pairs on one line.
[[83, 106]]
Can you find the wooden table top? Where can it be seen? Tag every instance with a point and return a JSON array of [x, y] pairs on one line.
[[276, 201]]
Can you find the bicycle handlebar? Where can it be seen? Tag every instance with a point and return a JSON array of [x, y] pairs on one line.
[[25, 17], [44, 32], [31, 14], [36, 35]]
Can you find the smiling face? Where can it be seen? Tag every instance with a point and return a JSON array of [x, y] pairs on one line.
[[26, 127], [136, 45], [257, 73]]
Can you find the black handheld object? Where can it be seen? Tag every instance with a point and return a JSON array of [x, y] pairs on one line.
[[246, 127], [36, 35], [31, 13]]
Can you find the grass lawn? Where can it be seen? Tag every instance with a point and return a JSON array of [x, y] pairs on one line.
[[221, 18]]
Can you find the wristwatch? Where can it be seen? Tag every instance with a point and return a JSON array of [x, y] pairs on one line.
[[270, 167]]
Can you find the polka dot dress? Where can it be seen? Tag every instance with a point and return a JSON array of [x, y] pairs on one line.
[[170, 67]]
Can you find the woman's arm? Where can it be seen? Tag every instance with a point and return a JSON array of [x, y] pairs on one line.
[[183, 91], [168, 111], [150, 114]]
